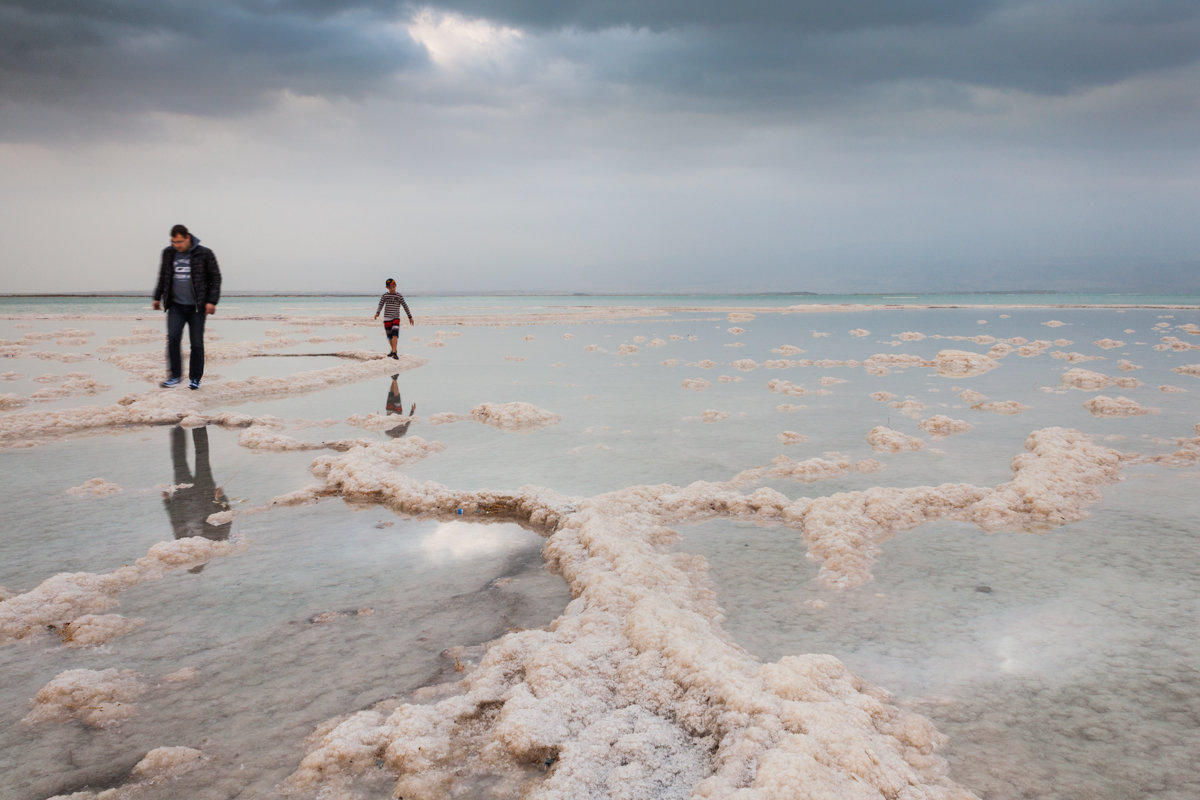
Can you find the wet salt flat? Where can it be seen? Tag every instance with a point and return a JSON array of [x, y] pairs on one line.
[[707, 549]]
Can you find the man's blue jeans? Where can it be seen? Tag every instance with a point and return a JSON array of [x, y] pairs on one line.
[[177, 317]]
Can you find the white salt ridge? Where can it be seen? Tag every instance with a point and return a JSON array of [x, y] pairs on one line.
[[97, 698], [165, 407], [637, 688], [67, 596]]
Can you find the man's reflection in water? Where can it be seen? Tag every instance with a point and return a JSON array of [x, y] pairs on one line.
[[395, 406], [194, 497]]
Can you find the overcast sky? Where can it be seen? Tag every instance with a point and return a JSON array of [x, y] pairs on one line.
[[604, 145]]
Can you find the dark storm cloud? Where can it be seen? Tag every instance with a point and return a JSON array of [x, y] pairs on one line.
[[213, 57], [771, 47], [225, 57]]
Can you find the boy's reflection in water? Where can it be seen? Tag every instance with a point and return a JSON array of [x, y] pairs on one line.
[[190, 504], [395, 406]]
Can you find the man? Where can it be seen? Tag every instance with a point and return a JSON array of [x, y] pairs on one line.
[[189, 287]]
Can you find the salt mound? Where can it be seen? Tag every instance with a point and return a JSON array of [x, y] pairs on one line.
[[963, 364], [940, 426], [713, 415], [516, 416], [744, 364], [1101, 406], [1128, 366], [96, 487], [1085, 379], [860, 332], [791, 437], [162, 763], [1002, 407], [696, 384], [95, 629], [738, 316], [885, 440], [65, 597], [1188, 369], [98, 699], [1108, 344], [10, 401]]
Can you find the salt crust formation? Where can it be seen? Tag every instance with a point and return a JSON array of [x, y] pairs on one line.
[[1102, 406], [696, 384], [939, 426], [63, 599], [158, 766], [515, 416], [95, 487], [166, 407], [636, 691], [885, 440], [97, 698]]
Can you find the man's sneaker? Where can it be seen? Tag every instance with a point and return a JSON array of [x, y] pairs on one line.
[[194, 384], [393, 355], [171, 382]]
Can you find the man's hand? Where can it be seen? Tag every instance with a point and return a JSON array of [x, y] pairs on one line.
[[154, 305], [210, 308]]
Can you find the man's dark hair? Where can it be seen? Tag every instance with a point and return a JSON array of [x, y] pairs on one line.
[[179, 230]]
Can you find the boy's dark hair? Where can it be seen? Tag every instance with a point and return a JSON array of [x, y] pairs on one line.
[[179, 230]]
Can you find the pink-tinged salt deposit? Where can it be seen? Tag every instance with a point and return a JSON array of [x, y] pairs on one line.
[[515, 358], [1105, 344], [671, 362], [164, 763], [886, 440], [514, 416], [739, 316], [780, 386], [66, 597], [909, 408], [1188, 369], [97, 698], [1074, 358], [971, 397], [1102, 406], [1127, 366], [788, 408], [1034, 349], [788, 350], [791, 437], [91, 630], [705, 364], [1171, 389], [1054, 324], [95, 487], [910, 336], [939, 426], [831, 380], [860, 332], [713, 415], [744, 364], [1175, 344], [882, 397], [10, 401], [736, 331], [1002, 407], [1085, 380]]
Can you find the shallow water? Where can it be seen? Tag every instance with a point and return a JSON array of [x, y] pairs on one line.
[[1059, 664]]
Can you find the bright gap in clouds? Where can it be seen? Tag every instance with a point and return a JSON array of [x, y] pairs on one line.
[[453, 41]]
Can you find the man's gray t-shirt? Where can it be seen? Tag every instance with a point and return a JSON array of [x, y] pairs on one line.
[[182, 292]]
